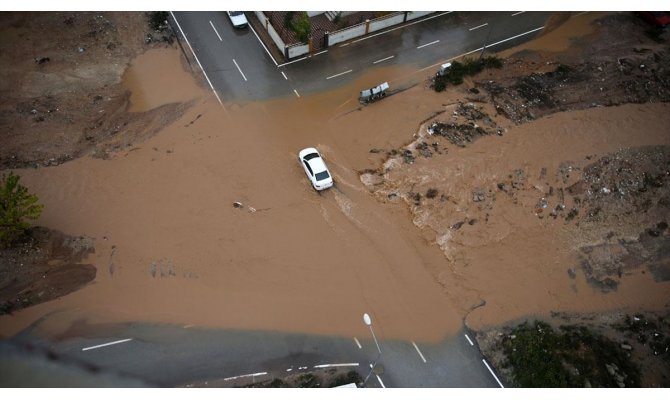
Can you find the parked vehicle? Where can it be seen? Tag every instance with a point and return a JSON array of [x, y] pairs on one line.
[[444, 68], [374, 93], [315, 168], [238, 19]]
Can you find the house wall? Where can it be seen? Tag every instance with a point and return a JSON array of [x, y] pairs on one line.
[[346, 34], [417, 14], [374, 25], [271, 30], [297, 50], [386, 21]]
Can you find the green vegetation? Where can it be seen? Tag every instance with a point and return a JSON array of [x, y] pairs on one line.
[[16, 206], [300, 25], [574, 356], [468, 67]]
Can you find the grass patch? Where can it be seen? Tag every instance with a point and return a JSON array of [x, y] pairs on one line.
[[573, 356], [469, 67]]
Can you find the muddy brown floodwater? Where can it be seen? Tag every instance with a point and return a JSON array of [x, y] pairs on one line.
[[171, 247]]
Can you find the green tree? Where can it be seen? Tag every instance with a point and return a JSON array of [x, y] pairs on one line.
[[301, 26], [16, 206]]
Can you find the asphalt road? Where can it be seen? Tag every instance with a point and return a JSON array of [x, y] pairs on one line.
[[240, 69], [166, 355]]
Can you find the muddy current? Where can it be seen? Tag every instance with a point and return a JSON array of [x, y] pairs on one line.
[[478, 243]]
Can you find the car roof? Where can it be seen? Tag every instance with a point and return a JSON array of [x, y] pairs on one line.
[[317, 165]]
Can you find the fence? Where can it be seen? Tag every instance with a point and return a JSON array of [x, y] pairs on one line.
[[372, 25]]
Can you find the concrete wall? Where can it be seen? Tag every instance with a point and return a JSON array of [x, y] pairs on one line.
[[386, 21], [314, 13], [417, 14], [297, 50], [346, 34], [271, 30]]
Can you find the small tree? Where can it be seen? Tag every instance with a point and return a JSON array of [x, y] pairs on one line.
[[301, 26], [16, 206]]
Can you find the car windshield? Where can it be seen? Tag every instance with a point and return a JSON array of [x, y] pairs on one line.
[[235, 13], [322, 175], [310, 156]]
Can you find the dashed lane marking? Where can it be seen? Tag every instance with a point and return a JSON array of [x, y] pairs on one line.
[[198, 61], [383, 59], [336, 365], [358, 343], [380, 381], [419, 351], [518, 13], [428, 44], [477, 27], [469, 341], [284, 75], [494, 375], [340, 74], [106, 344], [215, 31], [239, 69], [296, 92], [245, 376]]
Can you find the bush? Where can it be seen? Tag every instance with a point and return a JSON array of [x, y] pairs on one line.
[[301, 27], [469, 67], [16, 206]]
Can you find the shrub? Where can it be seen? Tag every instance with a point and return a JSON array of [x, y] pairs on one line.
[[301, 27], [16, 206], [469, 67]]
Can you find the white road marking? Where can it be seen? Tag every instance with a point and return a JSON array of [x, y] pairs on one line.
[[477, 27], [245, 376], [346, 44], [383, 59], [400, 27], [106, 344], [188, 326], [263, 44], [321, 52], [428, 44], [340, 74], [215, 31], [476, 50], [284, 75], [238, 68], [336, 365], [198, 61], [419, 351], [494, 375], [518, 13], [469, 341], [581, 13], [296, 92], [380, 381], [289, 370], [302, 367], [302, 58], [358, 343]]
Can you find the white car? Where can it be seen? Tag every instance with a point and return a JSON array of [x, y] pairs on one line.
[[238, 19], [315, 168]]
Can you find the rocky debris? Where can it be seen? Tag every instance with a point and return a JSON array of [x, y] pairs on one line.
[[457, 225], [478, 195], [469, 122]]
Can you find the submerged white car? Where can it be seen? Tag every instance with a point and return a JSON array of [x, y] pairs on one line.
[[238, 19], [315, 168]]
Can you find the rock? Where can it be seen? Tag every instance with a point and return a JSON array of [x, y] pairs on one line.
[[504, 187], [572, 273], [42, 60], [472, 221], [457, 225], [237, 204], [478, 195], [626, 347]]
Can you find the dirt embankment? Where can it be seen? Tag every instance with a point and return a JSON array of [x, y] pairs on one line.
[[62, 93]]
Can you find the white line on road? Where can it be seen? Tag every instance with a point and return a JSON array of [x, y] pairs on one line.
[[340, 74], [581, 13], [198, 61], [106, 344], [302, 58], [336, 365], [346, 44], [358, 343], [380, 381], [494, 375], [284, 75], [289, 369], [400, 27], [419, 351], [518, 13], [238, 68], [245, 376], [469, 341], [476, 50], [428, 44], [263, 44], [296, 92], [477, 27], [215, 31], [383, 59], [321, 52]]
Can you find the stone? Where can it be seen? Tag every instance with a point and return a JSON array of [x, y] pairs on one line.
[[457, 225], [626, 347]]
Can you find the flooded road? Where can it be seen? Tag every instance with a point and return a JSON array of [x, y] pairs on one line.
[[171, 247]]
